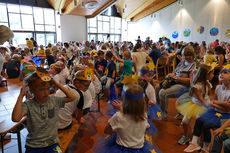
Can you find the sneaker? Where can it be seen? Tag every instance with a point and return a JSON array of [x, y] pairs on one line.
[[192, 147], [183, 140]]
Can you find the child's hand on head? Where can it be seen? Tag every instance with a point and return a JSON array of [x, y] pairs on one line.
[[117, 104]]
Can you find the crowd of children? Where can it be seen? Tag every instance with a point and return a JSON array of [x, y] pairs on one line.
[[64, 78]]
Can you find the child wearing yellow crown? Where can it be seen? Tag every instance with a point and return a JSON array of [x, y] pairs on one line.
[[212, 118], [80, 86], [41, 112]]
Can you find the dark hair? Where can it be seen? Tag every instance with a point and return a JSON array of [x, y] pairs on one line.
[[137, 46], [100, 52], [135, 108], [109, 54], [32, 78], [66, 44], [219, 49], [201, 76]]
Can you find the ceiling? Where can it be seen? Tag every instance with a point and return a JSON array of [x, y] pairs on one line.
[[129, 9]]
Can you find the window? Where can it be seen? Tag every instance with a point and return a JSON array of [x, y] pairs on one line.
[[38, 13], [100, 26], [15, 21], [50, 38], [49, 16], [40, 37], [13, 8], [3, 14], [26, 9], [28, 21], [20, 37]]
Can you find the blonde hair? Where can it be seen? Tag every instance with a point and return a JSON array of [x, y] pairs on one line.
[[135, 108], [127, 54], [5, 34], [57, 67]]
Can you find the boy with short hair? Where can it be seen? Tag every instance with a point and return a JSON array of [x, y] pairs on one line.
[[41, 111], [101, 63]]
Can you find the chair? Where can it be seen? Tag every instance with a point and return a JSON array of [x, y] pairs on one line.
[[171, 63], [161, 64]]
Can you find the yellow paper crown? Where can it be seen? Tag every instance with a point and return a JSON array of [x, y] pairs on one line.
[[87, 76], [151, 66], [130, 79], [226, 67], [213, 65]]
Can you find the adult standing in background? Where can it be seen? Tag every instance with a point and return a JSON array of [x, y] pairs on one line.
[[30, 45], [69, 53], [155, 53]]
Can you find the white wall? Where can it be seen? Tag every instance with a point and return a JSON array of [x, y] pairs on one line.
[[192, 14], [73, 28]]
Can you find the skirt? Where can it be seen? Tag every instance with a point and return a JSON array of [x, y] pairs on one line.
[[191, 109], [109, 145], [213, 117], [184, 98], [155, 112]]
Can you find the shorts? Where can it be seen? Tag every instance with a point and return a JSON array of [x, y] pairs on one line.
[[55, 148]]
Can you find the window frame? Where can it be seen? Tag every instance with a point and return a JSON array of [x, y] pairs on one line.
[[100, 18], [33, 31]]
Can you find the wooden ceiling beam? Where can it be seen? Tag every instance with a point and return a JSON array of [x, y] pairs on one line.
[[71, 7], [101, 9], [140, 9], [152, 9], [57, 4], [120, 6]]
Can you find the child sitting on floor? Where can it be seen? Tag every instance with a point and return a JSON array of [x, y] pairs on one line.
[[128, 125]]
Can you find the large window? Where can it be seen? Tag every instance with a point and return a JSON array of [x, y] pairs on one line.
[[104, 28], [28, 21]]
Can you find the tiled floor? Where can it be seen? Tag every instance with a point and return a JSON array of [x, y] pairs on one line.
[[83, 142]]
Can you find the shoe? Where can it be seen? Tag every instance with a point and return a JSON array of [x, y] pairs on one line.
[[192, 147], [183, 140], [179, 116], [204, 150]]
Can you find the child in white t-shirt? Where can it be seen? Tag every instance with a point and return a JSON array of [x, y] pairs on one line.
[[128, 125]]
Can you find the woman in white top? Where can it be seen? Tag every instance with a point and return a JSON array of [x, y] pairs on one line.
[[139, 57]]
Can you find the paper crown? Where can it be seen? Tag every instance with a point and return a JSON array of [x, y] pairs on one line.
[[130, 79], [87, 74], [151, 66], [41, 72], [213, 65], [226, 68]]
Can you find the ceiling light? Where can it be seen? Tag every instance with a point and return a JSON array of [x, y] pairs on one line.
[[91, 4]]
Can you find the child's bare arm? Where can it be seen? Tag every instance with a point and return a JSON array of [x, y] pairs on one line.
[[116, 57], [220, 130], [108, 129], [198, 95], [18, 113], [70, 96]]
